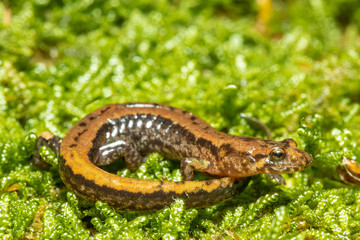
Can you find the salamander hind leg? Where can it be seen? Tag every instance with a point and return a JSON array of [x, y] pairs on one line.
[[188, 165], [112, 151]]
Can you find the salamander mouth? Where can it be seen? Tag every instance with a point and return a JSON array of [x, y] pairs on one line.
[[284, 169], [288, 165]]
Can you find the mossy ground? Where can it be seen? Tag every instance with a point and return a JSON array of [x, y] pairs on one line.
[[294, 65]]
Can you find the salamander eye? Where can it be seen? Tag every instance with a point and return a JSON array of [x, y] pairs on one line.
[[277, 154]]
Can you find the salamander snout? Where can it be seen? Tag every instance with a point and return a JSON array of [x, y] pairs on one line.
[[287, 159], [282, 157]]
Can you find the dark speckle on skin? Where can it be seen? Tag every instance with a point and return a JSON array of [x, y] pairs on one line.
[[203, 142], [227, 147], [247, 139], [104, 110], [190, 136], [214, 151], [208, 182], [263, 145], [260, 156], [82, 132]]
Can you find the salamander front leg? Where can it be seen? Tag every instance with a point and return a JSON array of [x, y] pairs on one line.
[[45, 139], [187, 171], [278, 178], [112, 151], [188, 165]]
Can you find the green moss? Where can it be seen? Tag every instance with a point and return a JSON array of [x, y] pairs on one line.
[[16, 215], [298, 73]]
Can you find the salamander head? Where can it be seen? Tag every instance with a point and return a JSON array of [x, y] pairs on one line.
[[258, 156]]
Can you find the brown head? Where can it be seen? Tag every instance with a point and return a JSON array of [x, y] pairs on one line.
[[245, 156]]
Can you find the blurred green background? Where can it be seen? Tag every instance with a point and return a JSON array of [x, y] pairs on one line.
[[292, 64]]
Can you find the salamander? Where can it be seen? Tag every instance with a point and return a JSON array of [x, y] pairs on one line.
[[133, 130]]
